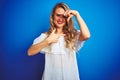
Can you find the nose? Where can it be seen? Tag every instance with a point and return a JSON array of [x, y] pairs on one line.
[[60, 18]]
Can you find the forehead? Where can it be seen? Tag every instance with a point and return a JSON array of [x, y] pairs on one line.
[[59, 11]]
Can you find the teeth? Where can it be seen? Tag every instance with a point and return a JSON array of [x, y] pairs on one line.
[[60, 22]]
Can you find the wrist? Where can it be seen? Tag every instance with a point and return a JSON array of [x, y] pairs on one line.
[[77, 13], [48, 41]]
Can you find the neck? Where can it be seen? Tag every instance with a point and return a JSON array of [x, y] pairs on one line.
[[59, 30]]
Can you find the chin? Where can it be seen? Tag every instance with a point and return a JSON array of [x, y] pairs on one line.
[[60, 26]]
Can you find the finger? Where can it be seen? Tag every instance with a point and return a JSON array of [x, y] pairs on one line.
[[69, 12], [65, 14], [56, 36], [69, 18], [56, 40], [53, 30], [61, 35]]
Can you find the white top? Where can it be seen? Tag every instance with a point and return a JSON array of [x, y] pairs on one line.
[[60, 62], [58, 47]]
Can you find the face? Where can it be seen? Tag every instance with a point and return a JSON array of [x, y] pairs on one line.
[[59, 19]]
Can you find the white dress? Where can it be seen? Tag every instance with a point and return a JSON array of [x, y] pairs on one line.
[[60, 62]]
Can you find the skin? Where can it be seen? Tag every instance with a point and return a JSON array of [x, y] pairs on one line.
[[61, 17]]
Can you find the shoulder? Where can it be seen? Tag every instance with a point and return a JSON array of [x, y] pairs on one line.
[[46, 33], [40, 38], [42, 35]]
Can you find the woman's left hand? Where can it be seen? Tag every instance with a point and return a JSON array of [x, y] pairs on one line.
[[69, 14]]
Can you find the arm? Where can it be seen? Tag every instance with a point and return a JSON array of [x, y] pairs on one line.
[[34, 49], [52, 38], [84, 32]]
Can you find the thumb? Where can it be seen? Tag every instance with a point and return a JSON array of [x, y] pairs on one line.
[[53, 30], [69, 18]]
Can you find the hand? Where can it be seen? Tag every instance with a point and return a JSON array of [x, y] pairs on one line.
[[52, 38], [70, 14]]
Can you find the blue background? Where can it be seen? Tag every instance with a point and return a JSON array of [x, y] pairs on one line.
[[21, 21]]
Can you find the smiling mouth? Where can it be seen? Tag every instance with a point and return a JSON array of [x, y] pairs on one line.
[[60, 22]]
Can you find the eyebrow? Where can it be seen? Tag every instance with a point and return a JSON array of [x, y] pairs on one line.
[[58, 14]]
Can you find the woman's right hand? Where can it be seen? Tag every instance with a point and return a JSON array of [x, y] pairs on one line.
[[53, 38]]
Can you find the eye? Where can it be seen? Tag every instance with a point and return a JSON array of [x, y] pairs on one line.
[[58, 15]]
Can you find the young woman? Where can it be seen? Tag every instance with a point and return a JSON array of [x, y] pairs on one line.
[[60, 44]]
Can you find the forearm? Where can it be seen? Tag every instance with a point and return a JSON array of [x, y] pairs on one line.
[[34, 49], [84, 31]]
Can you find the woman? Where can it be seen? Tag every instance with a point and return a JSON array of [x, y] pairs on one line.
[[60, 44]]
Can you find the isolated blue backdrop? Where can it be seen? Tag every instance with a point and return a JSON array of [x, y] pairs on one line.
[[24, 20]]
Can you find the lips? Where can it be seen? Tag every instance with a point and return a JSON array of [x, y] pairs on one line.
[[60, 22]]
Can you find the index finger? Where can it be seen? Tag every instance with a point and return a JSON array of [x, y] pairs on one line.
[[61, 34]]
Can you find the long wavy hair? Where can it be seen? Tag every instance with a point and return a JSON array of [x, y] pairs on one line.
[[68, 29]]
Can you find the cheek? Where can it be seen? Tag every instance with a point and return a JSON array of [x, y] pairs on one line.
[[55, 18]]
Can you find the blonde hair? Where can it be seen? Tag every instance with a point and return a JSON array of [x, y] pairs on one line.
[[68, 29]]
